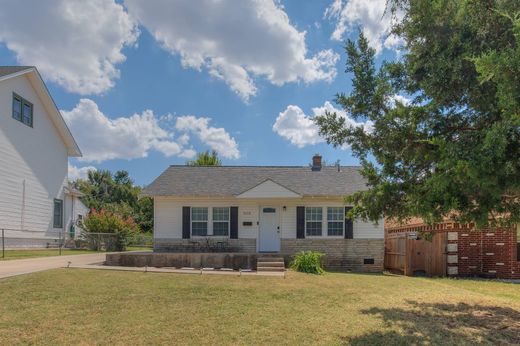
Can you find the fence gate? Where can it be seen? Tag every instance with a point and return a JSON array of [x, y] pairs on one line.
[[416, 256]]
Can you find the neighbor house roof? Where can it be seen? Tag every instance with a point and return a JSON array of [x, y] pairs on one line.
[[227, 181], [7, 72]]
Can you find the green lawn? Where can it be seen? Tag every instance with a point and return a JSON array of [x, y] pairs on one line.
[[74, 306]]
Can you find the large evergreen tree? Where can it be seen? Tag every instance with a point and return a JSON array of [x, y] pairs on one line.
[[454, 149]]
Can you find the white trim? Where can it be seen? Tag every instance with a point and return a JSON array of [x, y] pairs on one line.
[[283, 192], [278, 226], [209, 221], [324, 223], [17, 74]]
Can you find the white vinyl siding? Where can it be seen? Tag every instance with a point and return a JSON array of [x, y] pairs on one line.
[[168, 215], [33, 163]]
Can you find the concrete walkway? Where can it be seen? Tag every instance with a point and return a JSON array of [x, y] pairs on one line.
[[31, 265], [96, 260]]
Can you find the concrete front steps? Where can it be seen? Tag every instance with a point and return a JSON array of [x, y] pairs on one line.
[[270, 264]]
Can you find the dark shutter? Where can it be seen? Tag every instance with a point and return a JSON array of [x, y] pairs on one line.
[[349, 225], [233, 227], [186, 222], [300, 222]]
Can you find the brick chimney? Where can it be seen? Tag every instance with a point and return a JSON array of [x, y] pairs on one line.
[[316, 162]]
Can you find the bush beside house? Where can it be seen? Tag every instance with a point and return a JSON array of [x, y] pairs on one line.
[[109, 230]]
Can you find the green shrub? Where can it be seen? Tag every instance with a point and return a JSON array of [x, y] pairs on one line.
[[308, 262], [109, 230]]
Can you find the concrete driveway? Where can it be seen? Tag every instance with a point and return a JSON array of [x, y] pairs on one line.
[[31, 265]]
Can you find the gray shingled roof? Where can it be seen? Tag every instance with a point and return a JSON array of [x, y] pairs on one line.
[[233, 180], [7, 70]]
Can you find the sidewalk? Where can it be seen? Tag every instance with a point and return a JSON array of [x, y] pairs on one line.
[[95, 261], [31, 265]]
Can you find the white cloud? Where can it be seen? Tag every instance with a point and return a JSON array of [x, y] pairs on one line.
[[235, 40], [76, 44], [398, 98], [79, 172], [101, 138], [297, 127], [370, 15], [216, 138]]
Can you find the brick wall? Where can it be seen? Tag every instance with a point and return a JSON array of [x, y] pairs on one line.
[[341, 254], [490, 253]]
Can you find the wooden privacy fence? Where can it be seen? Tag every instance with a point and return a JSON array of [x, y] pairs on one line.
[[409, 256]]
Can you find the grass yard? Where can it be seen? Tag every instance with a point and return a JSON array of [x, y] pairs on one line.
[[75, 306]]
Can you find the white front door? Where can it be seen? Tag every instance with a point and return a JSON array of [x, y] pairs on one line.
[[269, 238]]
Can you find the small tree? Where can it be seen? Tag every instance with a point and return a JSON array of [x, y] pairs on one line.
[[206, 159]]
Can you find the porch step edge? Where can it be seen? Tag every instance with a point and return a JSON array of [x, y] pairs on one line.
[[271, 264], [270, 269]]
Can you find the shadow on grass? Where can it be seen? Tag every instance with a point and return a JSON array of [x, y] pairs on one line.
[[425, 323]]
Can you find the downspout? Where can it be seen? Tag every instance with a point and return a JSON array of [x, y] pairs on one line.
[[22, 216]]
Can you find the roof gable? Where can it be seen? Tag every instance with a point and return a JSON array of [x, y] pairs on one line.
[[37, 83], [269, 189]]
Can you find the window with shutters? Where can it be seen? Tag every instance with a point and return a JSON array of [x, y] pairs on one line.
[[221, 221], [22, 110], [199, 221], [335, 221], [313, 221]]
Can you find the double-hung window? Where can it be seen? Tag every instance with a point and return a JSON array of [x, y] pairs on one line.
[[313, 221], [58, 213], [22, 110], [221, 221], [335, 221], [199, 221]]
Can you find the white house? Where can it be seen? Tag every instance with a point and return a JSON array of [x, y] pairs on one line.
[[37, 206], [265, 209]]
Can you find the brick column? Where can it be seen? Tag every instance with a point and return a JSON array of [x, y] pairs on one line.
[[453, 253]]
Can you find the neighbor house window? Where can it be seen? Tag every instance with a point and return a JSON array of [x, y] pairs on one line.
[[58, 213], [335, 220], [313, 219], [199, 221], [221, 221], [22, 110]]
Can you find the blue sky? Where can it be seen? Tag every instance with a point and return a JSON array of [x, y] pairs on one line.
[[148, 84]]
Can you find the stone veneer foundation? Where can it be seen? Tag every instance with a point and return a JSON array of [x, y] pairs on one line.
[[363, 255]]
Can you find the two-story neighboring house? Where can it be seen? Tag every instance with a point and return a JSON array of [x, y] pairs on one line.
[[36, 204]]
